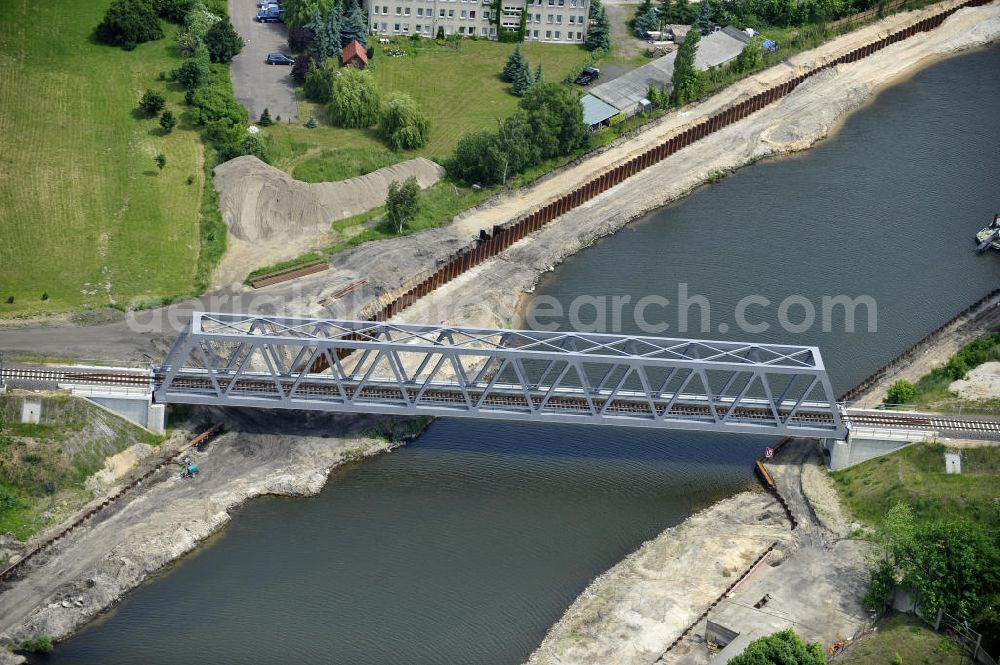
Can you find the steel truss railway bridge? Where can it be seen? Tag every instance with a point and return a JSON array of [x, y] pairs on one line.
[[362, 366], [565, 377]]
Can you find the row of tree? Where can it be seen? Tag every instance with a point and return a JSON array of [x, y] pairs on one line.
[[757, 14], [548, 123]]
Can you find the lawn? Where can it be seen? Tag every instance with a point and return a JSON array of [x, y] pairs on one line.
[[86, 217], [902, 638], [457, 85], [915, 476]]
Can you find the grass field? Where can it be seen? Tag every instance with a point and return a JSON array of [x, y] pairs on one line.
[[86, 217], [457, 85], [905, 636], [915, 476]]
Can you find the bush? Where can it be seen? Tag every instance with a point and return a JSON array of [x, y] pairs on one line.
[[319, 85], [356, 100], [222, 41], [782, 648], [403, 125], [212, 104], [173, 10], [265, 119], [168, 121], [128, 23], [193, 73], [40, 644], [299, 39], [152, 103], [304, 64], [900, 392]]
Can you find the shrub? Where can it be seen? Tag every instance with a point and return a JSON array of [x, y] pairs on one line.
[[356, 100], [168, 121], [319, 85], [212, 104], [193, 73], [128, 23], [304, 64], [40, 644], [311, 123], [782, 648], [299, 39], [222, 41], [10, 300], [403, 125], [900, 392], [161, 161], [45, 295], [265, 119], [152, 103], [172, 10]]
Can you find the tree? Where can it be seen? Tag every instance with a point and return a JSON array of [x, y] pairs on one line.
[[161, 161], [900, 392], [311, 123], [538, 73], [222, 41], [303, 65], [522, 81], [299, 39], [152, 103], [403, 125], [128, 23], [212, 105], [168, 121], [705, 22], [646, 20], [440, 33], [319, 85], [596, 6], [782, 648], [265, 119], [172, 10], [515, 62], [599, 34], [751, 57], [196, 25], [193, 73], [687, 84], [554, 113], [355, 25], [402, 203], [356, 100]]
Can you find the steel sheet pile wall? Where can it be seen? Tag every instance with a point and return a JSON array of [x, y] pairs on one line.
[[505, 235]]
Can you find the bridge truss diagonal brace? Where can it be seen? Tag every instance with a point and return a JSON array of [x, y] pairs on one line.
[[566, 377]]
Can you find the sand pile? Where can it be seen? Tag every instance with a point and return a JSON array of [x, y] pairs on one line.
[[273, 217]]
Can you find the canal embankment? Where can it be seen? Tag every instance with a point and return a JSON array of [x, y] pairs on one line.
[[171, 518]]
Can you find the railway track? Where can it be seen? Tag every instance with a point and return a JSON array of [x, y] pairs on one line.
[[59, 375]]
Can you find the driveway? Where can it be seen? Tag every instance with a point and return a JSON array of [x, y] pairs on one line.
[[258, 85]]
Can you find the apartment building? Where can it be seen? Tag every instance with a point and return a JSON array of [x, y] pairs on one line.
[[553, 21]]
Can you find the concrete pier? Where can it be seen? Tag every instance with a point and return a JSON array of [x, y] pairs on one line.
[[133, 404], [865, 443]]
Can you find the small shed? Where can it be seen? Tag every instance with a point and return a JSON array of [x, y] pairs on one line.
[[677, 32], [597, 113], [354, 54]]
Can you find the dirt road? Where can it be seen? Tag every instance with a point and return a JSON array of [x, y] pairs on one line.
[[260, 86]]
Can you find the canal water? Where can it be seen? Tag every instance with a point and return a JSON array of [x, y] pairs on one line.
[[465, 546]]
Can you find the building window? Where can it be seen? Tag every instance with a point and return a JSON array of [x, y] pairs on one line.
[[461, 29], [385, 10], [451, 13], [399, 10], [396, 27], [557, 35], [465, 14], [420, 11], [406, 27], [472, 14], [441, 13], [548, 34], [559, 18], [579, 36]]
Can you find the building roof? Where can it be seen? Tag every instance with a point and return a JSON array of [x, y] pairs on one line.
[[595, 111], [354, 49], [624, 92]]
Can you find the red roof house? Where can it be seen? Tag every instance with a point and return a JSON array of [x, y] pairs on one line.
[[354, 54]]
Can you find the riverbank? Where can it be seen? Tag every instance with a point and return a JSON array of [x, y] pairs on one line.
[[492, 293], [287, 454]]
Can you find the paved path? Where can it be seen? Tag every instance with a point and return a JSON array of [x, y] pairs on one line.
[[257, 84]]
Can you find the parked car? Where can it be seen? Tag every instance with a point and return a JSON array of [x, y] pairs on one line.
[[270, 14], [280, 59], [588, 75]]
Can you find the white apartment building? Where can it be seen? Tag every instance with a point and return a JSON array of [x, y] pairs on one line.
[[554, 21]]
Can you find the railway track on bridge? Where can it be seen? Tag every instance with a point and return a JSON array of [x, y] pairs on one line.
[[19, 375]]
